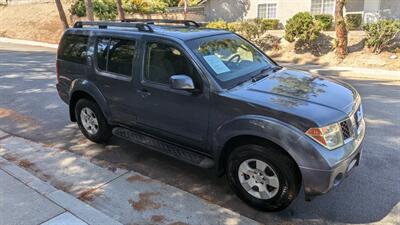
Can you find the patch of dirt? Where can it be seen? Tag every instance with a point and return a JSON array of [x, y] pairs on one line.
[[17, 117], [62, 186], [323, 54], [38, 22], [145, 202], [10, 157], [157, 218], [25, 163], [88, 195], [139, 178]]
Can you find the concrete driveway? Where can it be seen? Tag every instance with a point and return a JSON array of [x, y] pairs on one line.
[[31, 108]]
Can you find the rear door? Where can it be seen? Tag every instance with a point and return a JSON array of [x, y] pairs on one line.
[[114, 68]]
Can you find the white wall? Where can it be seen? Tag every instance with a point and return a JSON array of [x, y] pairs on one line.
[[371, 10]]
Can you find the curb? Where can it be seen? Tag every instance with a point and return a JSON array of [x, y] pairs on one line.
[[347, 72], [81, 210], [27, 42]]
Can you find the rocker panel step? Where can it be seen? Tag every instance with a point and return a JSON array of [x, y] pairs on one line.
[[164, 147]]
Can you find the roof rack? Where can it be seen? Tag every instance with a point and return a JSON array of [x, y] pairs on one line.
[[105, 24], [188, 23]]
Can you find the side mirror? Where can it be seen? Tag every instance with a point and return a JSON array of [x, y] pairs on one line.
[[181, 82]]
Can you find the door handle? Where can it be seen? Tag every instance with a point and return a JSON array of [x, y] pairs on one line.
[[144, 92]]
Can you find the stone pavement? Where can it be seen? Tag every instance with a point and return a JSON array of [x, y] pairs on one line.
[[72, 190]]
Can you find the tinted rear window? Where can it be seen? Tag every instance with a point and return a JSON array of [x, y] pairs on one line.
[[115, 55], [74, 48]]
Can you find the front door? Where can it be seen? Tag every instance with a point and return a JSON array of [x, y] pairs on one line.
[[178, 115]]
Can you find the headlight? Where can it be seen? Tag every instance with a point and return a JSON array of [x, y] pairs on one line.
[[330, 136]]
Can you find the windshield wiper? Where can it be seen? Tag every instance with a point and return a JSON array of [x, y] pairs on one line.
[[263, 73]]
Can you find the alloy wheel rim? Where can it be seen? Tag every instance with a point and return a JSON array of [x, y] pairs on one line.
[[89, 121], [258, 178]]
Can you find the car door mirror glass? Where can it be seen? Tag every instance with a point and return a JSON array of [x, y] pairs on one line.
[[181, 82]]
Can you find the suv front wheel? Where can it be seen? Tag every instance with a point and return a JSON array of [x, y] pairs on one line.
[[264, 177], [91, 121]]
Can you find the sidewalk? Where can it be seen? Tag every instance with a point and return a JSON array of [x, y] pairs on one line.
[[25, 199], [106, 195]]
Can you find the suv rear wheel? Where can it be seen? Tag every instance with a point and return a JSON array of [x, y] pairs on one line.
[[91, 121], [263, 177]]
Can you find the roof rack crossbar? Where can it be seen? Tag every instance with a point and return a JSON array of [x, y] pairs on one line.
[[105, 24], [187, 23]]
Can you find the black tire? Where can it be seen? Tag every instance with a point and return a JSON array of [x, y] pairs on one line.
[[284, 167], [104, 130]]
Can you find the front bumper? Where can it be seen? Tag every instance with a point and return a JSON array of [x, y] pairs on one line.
[[341, 162]]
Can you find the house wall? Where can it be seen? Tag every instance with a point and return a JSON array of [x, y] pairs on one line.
[[390, 9], [231, 10], [228, 10]]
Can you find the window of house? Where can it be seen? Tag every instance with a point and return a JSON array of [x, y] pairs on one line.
[[164, 61], [74, 48], [322, 6], [115, 55], [266, 11]]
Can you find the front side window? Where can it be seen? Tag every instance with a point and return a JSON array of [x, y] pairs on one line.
[[229, 58], [322, 6], [115, 55], [163, 61], [74, 48]]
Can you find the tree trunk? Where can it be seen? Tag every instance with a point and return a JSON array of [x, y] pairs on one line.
[[61, 13], [89, 10], [341, 30], [121, 13]]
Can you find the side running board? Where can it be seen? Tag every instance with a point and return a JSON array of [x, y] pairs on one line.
[[164, 147]]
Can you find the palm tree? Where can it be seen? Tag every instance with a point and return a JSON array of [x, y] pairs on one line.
[[341, 30], [61, 12], [89, 10], [121, 13]]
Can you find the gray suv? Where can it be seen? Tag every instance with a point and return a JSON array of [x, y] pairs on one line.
[[212, 99]]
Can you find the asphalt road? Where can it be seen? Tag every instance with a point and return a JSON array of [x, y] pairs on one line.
[[31, 108]]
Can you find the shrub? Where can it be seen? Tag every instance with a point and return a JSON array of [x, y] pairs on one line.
[[380, 34], [353, 21], [325, 21], [78, 8], [102, 9], [135, 6], [267, 24], [218, 24], [105, 9], [302, 26]]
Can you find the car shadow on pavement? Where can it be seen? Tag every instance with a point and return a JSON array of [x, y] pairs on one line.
[[31, 108]]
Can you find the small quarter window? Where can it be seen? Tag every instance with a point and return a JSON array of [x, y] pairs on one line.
[[115, 55], [74, 48]]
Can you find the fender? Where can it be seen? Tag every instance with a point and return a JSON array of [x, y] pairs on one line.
[[87, 87], [288, 137]]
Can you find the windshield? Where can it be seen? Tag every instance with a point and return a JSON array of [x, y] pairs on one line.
[[229, 58]]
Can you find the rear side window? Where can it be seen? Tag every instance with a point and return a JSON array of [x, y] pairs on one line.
[[74, 48], [115, 55]]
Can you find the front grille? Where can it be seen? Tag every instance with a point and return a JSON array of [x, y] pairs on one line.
[[346, 129], [350, 126]]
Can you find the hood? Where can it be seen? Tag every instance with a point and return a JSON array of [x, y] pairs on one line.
[[298, 91]]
